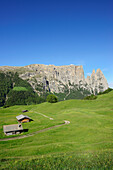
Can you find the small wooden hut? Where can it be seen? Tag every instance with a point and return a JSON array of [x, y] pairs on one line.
[[23, 118], [12, 129]]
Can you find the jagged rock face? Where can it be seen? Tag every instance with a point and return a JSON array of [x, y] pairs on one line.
[[57, 78], [97, 82]]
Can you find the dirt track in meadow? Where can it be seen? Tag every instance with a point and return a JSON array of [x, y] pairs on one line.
[[31, 134]]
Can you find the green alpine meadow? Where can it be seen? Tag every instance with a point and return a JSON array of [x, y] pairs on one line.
[[56, 85], [85, 142]]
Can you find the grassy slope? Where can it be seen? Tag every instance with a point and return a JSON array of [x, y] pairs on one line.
[[90, 131], [20, 89]]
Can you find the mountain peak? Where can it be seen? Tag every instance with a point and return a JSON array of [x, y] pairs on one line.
[[93, 72], [99, 70], [57, 78]]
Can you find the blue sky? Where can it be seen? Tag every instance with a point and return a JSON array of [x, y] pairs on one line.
[[59, 32]]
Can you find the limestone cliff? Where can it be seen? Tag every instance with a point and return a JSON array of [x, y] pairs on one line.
[[97, 82], [58, 78]]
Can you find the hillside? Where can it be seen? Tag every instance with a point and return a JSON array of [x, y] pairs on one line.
[[67, 82], [87, 142], [16, 91]]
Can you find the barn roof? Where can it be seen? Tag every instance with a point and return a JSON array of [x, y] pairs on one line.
[[14, 127], [24, 111], [20, 117]]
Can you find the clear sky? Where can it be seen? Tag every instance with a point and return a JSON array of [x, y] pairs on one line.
[[59, 32]]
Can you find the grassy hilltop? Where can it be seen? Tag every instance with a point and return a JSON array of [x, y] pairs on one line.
[[87, 142]]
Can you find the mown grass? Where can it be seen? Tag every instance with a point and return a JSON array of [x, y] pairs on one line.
[[20, 89], [8, 116], [87, 142]]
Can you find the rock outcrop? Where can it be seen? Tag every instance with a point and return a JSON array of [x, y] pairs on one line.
[[97, 82], [57, 78]]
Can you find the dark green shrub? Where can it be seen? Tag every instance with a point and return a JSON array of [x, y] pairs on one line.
[[92, 97], [106, 91], [52, 98], [5, 106]]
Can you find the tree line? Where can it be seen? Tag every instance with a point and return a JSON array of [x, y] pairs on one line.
[[9, 96]]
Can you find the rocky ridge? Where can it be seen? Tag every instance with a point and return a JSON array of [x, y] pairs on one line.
[[56, 79]]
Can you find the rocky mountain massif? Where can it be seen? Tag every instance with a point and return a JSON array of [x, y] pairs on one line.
[[68, 80]]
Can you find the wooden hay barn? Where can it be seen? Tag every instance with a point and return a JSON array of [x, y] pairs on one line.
[[12, 129], [23, 118]]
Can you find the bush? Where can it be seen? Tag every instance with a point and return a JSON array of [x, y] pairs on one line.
[[52, 98], [106, 91], [92, 97], [5, 106]]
